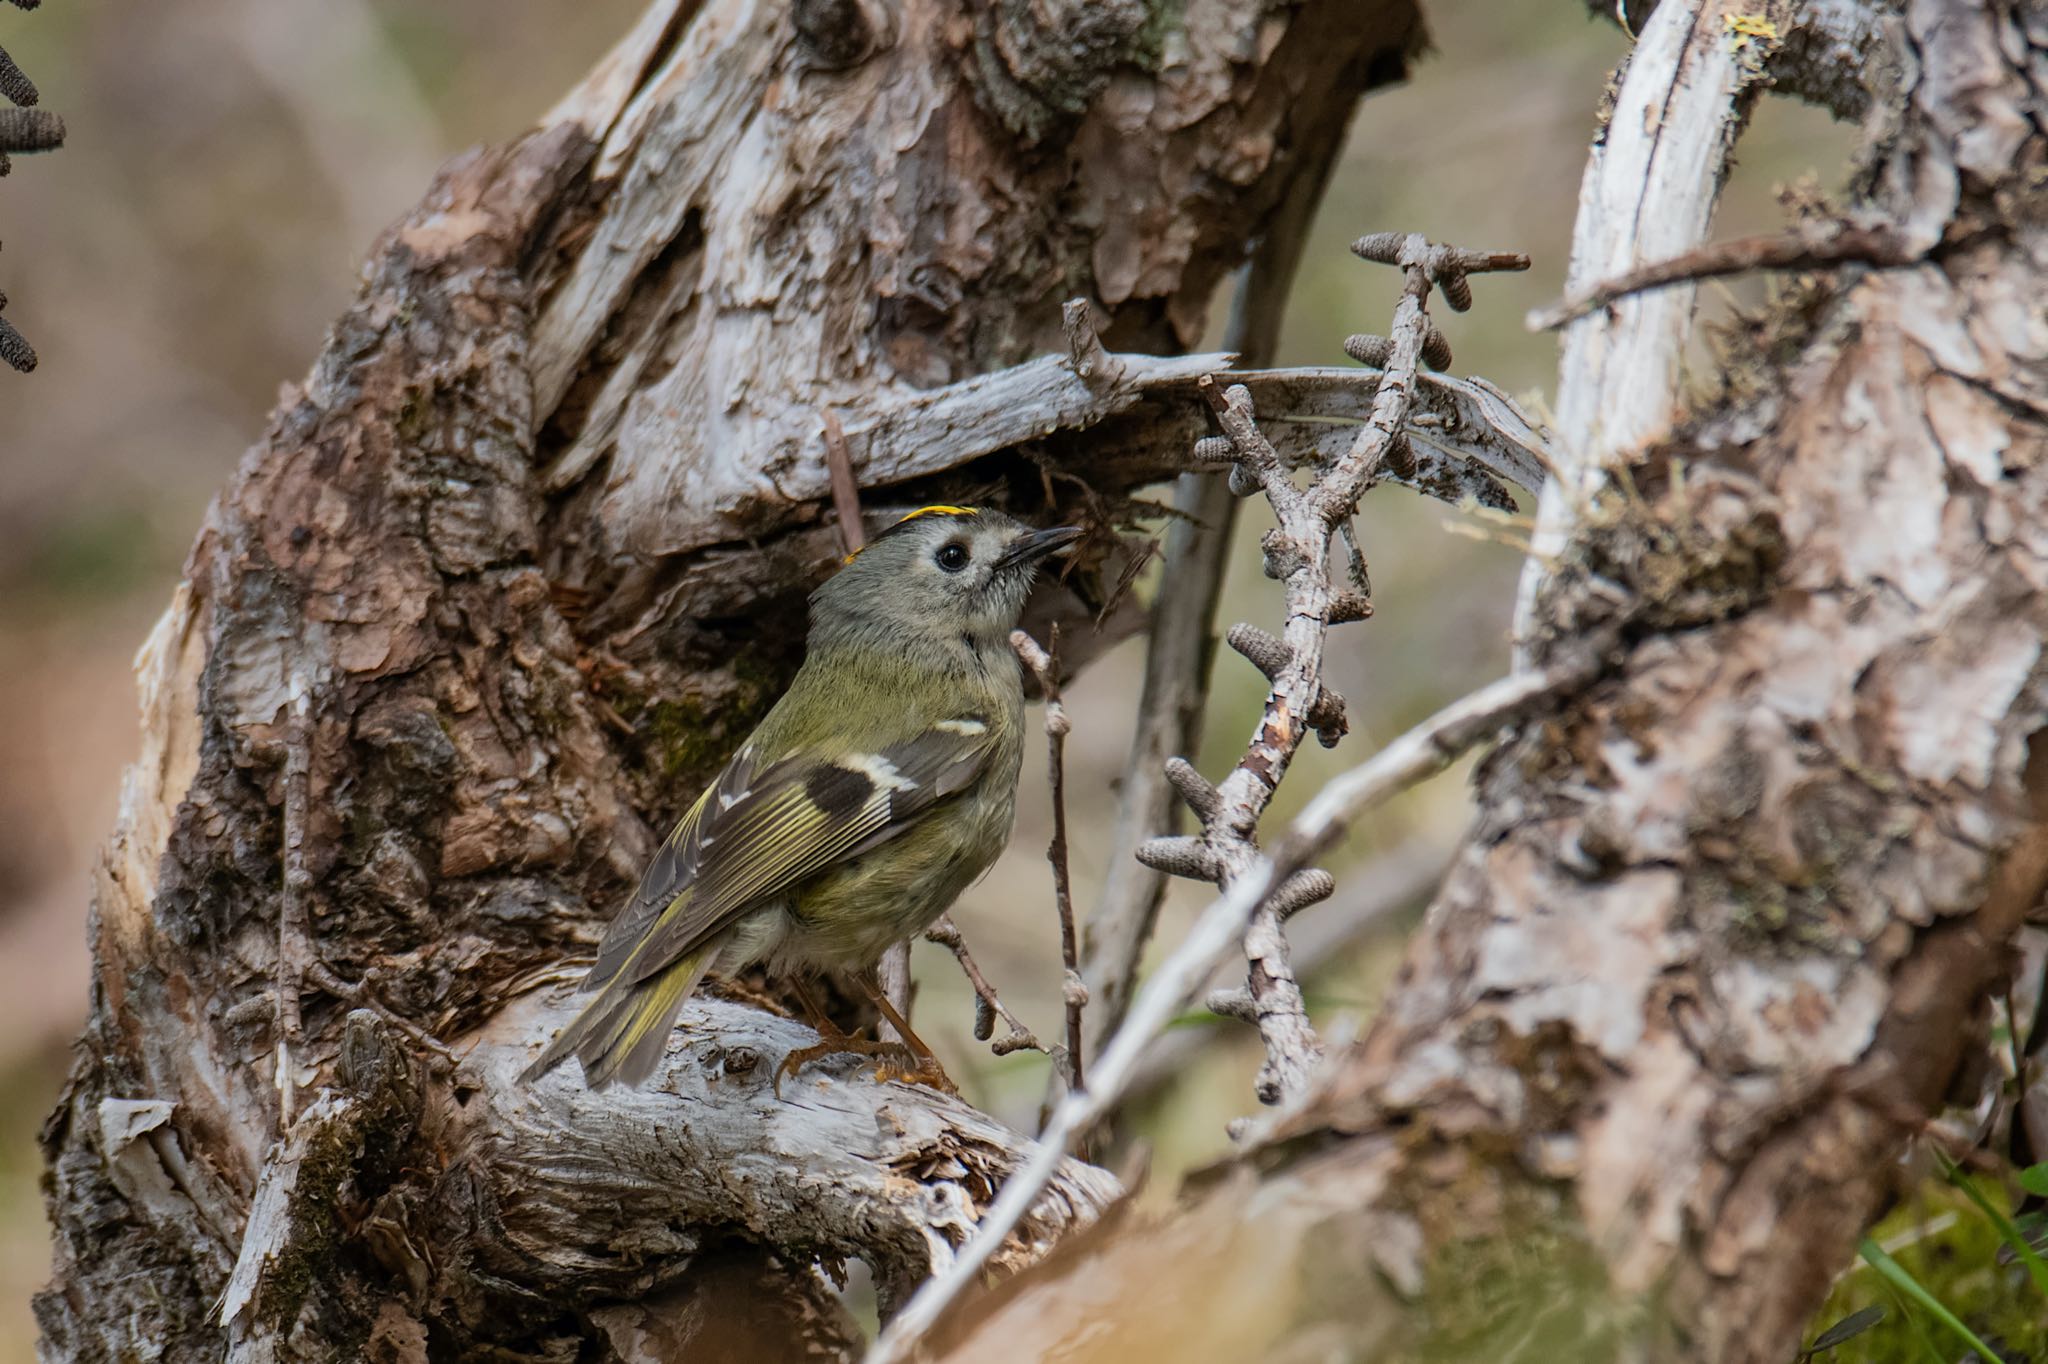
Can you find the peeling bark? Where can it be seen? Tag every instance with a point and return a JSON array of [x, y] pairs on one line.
[[530, 548], [1726, 928]]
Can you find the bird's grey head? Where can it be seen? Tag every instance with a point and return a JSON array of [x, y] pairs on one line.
[[936, 576]]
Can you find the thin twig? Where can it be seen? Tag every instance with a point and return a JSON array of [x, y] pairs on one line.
[[1803, 249], [845, 488], [1414, 756], [1045, 666], [1178, 652], [893, 971], [988, 1005]]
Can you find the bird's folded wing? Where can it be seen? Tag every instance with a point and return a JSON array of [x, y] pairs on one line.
[[758, 831]]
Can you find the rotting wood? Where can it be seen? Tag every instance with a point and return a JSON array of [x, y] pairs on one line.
[[539, 525]]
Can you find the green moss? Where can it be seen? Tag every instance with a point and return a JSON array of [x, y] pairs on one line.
[[1163, 19], [1530, 1289], [414, 418], [1685, 559], [688, 737], [358, 1147], [1951, 1249]]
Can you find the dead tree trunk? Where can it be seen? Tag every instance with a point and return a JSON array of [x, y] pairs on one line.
[[520, 560], [1726, 926]]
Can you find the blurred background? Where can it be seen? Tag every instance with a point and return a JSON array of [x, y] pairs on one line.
[[229, 160]]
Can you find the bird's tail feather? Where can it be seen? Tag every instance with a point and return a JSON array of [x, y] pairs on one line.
[[622, 1034]]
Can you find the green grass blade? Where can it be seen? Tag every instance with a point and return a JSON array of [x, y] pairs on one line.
[[1849, 1327], [1895, 1273], [2036, 1267]]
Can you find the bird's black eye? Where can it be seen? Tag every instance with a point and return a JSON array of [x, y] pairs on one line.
[[952, 556]]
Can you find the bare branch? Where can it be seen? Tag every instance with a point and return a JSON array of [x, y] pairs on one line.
[[1044, 664], [1414, 756], [1370, 895], [1809, 248], [845, 1163], [1297, 553], [845, 488], [1181, 644], [988, 1005]]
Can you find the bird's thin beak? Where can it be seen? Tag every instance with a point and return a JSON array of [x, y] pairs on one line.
[[1035, 545]]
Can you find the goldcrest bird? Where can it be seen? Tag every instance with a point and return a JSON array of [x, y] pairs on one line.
[[879, 787]]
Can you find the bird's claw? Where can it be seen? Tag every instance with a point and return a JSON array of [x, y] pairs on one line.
[[896, 1062]]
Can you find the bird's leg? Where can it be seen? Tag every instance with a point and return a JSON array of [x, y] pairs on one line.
[[922, 1068], [814, 1012], [929, 1072]]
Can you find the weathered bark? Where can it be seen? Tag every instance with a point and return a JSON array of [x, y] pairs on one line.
[[1725, 928], [510, 572]]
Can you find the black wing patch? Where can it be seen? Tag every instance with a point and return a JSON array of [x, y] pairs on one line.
[[755, 834]]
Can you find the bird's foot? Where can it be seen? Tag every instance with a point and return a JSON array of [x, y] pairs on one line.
[[924, 1070], [897, 1061]]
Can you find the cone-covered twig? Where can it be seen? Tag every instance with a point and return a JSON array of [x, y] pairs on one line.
[[22, 129], [1296, 553]]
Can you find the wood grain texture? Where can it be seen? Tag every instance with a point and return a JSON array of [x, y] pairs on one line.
[[532, 542], [1727, 927]]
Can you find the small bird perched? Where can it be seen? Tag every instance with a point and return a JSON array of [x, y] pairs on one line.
[[880, 786]]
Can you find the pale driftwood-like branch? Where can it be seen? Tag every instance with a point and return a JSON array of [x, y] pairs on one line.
[[1043, 661], [1416, 755], [576, 1185], [562, 1189], [1648, 195], [894, 437]]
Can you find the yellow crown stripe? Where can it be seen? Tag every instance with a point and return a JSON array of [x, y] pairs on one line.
[[936, 509]]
